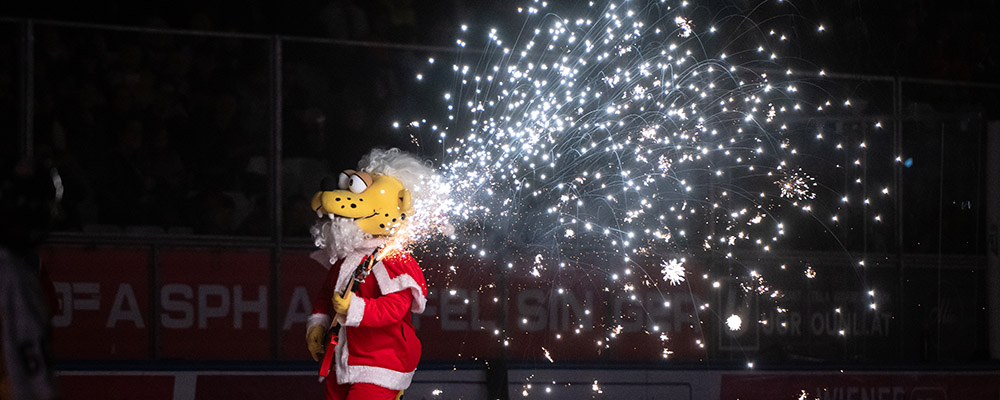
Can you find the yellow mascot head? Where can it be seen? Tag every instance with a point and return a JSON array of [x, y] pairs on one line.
[[376, 195]]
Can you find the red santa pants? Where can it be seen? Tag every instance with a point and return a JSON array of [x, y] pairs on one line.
[[357, 391]]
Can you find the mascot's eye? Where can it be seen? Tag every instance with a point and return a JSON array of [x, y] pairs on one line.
[[358, 185], [343, 181]]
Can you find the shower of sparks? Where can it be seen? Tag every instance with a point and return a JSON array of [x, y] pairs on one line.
[[673, 271], [433, 211], [663, 341], [613, 139], [685, 25], [663, 163], [756, 284], [538, 266], [797, 185], [627, 132], [810, 272]]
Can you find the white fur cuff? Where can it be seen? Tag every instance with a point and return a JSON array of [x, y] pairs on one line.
[[401, 282], [355, 312], [318, 319], [384, 377]]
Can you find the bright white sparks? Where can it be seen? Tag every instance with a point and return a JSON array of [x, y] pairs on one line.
[[684, 25], [673, 271], [797, 185], [624, 136], [605, 137], [734, 322]]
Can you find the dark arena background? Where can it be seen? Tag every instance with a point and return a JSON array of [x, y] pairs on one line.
[[190, 136]]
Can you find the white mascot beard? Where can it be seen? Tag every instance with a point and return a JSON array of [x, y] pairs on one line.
[[339, 237]]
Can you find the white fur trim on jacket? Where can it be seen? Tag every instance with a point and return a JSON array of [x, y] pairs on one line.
[[348, 266], [318, 319], [367, 246], [404, 281], [384, 377], [355, 312]]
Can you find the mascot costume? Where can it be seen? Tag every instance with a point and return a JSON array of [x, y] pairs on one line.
[[364, 307]]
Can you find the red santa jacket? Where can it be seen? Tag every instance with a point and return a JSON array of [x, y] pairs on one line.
[[376, 343]]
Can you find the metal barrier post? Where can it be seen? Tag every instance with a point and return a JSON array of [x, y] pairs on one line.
[[27, 136], [992, 227], [277, 232], [899, 310]]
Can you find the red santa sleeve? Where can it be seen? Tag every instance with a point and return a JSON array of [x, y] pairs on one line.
[[403, 289], [322, 303], [377, 312]]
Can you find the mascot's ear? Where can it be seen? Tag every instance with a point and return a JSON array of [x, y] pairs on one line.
[[405, 203]]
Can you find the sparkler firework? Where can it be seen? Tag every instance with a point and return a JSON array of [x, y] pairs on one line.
[[624, 138]]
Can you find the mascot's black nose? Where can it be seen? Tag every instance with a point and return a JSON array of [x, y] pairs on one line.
[[328, 184]]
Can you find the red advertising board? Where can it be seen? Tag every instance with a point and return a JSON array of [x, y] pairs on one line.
[[300, 280], [461, 320], [851, 386], [567, 316], [464, 329], [214, 304], [561, 313], [103, 310]]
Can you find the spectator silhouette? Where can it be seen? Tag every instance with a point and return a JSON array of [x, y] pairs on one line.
[[29, 199]]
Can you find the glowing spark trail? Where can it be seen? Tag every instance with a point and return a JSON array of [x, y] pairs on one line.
[[547, 355]]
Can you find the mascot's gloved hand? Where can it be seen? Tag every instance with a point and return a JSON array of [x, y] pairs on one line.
[[314, 339], [342, 301]]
